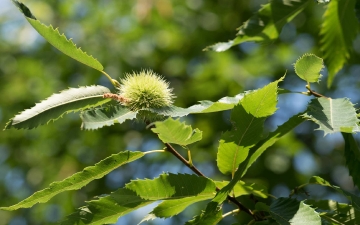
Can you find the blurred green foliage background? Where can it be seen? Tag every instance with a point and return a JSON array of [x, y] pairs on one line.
[[167, 37]]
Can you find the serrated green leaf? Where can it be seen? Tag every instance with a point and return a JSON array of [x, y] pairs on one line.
[[173, 131], [222, 104], [352, 156], [262, 102], [338, 31], [333, 212], [78, 180], [100, 117], [107, 210], [266, 24], [355, 200], [235, 144], [52, 108], [288, 211], [308, 67], [207, 219], [333, 115], [58, 40], [247, 119], [172, 186], [242, 188]]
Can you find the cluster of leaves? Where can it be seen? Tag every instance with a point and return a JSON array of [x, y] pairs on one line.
[[238, 148], [338, 29]]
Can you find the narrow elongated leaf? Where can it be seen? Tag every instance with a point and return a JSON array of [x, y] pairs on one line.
[[338, 31], [100, 117], [78, 180], [223, 104], [333, 115], [107, 210], [70, 100], [173, 131], [355, 200], [308, 67], [248, 119], [58, 40], [332, 212], [172, 186], [266, 24], [256, 151], [288, 211], [352, 156]]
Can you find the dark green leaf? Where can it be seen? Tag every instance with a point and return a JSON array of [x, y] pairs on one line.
[[338, 31], [352, 156], [355, 200], [332, 212]]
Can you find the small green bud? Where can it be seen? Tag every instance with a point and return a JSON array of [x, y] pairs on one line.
[[145, 90]]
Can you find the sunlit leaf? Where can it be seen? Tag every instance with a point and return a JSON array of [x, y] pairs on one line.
[[335, 213], [266, 24], [333, 115], [308, 67], [70, 100], [223, 104], [78, 180], [173, 131], [58, 40], [338, 31], [352, 156], [247, 118], [290, 211], [107, 116]]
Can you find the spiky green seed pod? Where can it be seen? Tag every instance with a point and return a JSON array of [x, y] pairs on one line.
[[145, 90]]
